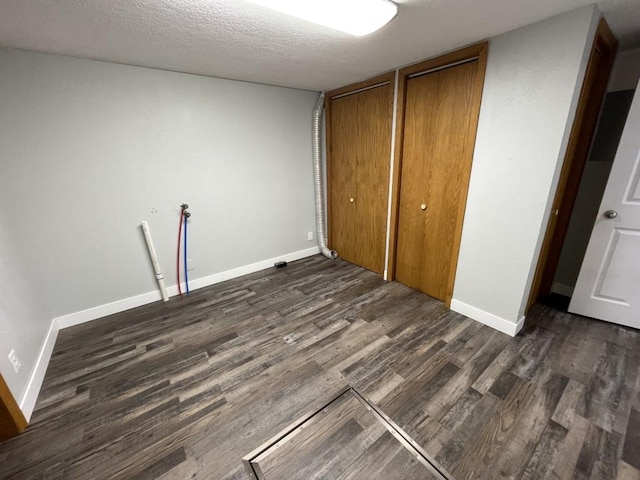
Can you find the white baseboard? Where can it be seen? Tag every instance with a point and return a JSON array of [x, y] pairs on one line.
[[118, 306], [246, 269], [100, 311], [562, 289], [489, 319], [30, 397]]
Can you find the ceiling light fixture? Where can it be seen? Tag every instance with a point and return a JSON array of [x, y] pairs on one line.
[[356, 17]]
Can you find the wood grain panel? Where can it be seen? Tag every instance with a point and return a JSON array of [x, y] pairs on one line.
[[358, 175], [478, 51], [186, 389], [12, 421], [436, 164], [354, 87], [343, 441]]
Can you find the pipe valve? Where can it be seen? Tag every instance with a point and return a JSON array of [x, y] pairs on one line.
[[184, 207]]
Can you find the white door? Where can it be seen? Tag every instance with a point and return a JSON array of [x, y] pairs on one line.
[[608, 286]]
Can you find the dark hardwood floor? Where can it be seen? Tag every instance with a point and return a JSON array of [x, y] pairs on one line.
[[344, 440], [187, 389]]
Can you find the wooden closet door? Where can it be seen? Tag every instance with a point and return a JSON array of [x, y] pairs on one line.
[[439, 134], [358, 166]]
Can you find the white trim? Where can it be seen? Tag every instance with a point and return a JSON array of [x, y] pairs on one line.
[[30, 397], [493, 321], [562, 289], [100, 311], [118, 306], [394, 121]]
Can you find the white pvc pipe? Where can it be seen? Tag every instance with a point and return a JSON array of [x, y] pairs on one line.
[[154, 260]]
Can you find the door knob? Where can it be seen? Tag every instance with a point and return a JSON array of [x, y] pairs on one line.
[[423, 206], [352, 200], [610, 214]]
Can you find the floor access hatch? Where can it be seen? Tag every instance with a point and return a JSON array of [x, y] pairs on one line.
[[347, 439]]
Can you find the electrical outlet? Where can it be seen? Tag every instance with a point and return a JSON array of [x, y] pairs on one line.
[[15, 361], [309, 236], [190, 265]]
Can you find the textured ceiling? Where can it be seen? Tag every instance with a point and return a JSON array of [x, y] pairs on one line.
[[238, 40]]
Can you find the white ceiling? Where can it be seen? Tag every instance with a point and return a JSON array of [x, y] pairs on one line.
[[238, 40]]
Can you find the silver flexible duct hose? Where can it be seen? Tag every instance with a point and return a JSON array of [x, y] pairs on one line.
[[317, 177]]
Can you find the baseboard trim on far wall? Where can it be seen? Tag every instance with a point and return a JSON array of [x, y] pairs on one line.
[[246, 269], [30, 397], [118, 306], [489, 319]]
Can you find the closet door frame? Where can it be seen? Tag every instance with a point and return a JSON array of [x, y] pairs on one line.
[[478, 51], [385, 78], [12, 420]]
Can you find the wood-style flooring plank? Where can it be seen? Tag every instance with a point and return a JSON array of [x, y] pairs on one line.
[[187, 388]]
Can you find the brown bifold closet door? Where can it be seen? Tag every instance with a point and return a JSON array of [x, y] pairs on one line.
[[440, 121], [359, 141]]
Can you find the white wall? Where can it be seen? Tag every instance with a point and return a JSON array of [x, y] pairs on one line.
[[89, 149], [531, 89], [626, 71], [24, 320]]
